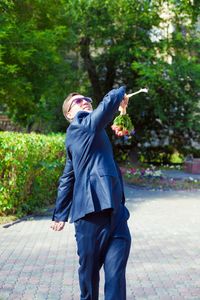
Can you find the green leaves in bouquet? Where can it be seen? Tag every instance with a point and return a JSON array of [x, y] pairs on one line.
[[124, 121], [122, 125]]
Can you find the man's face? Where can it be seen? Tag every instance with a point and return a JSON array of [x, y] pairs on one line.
[[78, 103]]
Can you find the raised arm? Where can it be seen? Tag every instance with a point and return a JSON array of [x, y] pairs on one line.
[[106, 110]]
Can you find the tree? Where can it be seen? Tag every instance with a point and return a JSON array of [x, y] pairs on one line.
[[170, 117], [34, 72], [118, 45], [49, 49], [110, 34]]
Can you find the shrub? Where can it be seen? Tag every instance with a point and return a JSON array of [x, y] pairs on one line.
[[30, 165], [161, 155]]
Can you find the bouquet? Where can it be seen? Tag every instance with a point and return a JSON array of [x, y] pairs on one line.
[[122, 124]]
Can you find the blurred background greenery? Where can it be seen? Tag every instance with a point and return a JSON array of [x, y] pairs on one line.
[[51, 48]]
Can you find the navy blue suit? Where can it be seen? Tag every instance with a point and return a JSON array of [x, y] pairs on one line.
[[91, 195]]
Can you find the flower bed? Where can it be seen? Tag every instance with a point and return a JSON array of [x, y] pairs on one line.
[[154, 178]]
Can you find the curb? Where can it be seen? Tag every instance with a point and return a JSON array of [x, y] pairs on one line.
[[26, 218]]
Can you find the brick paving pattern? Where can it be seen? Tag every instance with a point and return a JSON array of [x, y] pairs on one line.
[[37, 263]]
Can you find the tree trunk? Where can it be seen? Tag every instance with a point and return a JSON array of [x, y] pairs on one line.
[[110, 75], [91, 68]]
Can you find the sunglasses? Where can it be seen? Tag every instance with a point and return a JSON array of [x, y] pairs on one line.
[[79, 101]]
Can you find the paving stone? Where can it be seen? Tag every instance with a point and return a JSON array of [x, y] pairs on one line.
[[38, 264]]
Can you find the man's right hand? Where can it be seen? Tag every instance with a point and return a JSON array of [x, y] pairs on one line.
[[57, 225], [124, 103]]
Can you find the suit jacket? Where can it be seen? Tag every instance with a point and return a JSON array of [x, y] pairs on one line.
[[91, 180]]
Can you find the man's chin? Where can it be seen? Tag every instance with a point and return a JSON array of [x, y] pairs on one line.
[[88, 109]]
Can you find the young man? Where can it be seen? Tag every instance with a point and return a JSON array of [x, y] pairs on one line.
[[91, 195]]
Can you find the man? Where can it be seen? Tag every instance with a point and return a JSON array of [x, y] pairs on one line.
[[91, 195]]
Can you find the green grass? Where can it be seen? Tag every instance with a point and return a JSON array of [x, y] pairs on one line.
[[7, 219], [11, 218]]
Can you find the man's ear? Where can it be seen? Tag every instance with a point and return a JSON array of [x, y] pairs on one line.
[[69, 115]]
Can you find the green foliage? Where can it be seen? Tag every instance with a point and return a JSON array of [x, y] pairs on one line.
[[172, 73], [34, 72], [46, 49], [49, 49], [176, 158], [173, 95], [29, 168], [124, 121], [161, 155]]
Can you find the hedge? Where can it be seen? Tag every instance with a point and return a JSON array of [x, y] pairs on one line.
[[30, 166]]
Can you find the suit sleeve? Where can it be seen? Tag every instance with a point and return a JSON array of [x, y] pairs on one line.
[[121, 181], [105, 111], [64, 193]]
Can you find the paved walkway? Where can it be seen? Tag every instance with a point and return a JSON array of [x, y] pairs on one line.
[[178, 174], [37, 263]]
